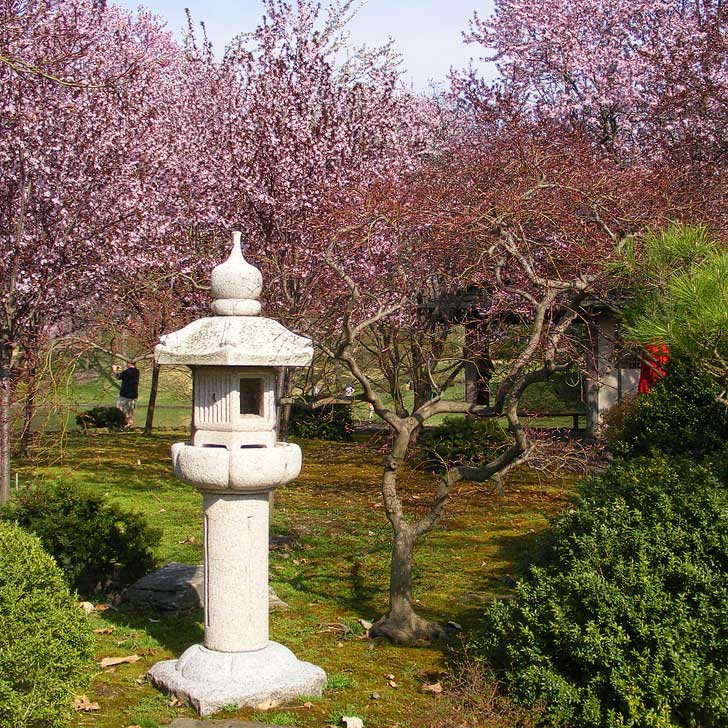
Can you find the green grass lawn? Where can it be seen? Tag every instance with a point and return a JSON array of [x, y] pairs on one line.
[[330, 564]]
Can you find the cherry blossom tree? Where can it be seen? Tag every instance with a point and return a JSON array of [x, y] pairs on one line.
[[312, 121], [81, 89], [528, 213], [643, 77]]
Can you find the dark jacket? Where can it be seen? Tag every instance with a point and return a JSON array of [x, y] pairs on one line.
[[129, 383]]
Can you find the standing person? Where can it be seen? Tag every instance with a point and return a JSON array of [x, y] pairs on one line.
[[129, 390]]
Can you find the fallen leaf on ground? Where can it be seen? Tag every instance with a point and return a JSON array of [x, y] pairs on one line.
[[189, 540], [352, 722], [389, 676], [111, 661], [435, 688], [105, 630], [392, 684], [102, 607], [175, 702], [162, 510], [82, 703], [308, 705], [334, 627]]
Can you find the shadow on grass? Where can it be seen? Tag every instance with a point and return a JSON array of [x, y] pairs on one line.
[[174, 631]]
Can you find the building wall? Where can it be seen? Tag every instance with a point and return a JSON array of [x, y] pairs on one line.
[[608, 381]]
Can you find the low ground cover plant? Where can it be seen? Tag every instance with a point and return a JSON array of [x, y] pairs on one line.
[[46, 643], [621, 618], [98, 545]]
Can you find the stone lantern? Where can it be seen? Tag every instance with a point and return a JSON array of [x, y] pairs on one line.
[[235, 461]]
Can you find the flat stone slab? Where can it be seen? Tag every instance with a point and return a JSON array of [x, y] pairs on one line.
[[189, 723], [178, 586], [209, 680]]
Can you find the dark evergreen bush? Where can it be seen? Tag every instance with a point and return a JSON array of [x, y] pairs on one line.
[[330, 422], [110, 417], [622, 619], [96, 544], [46, 643], [461, 441], [680, 416]]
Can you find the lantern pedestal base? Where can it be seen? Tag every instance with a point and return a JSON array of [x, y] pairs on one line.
[[210, 681]]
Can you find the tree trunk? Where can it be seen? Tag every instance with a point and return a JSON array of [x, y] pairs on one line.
[[28, 414], [285, 388], [29, 409], [4, 435], [402, 624], [153, 388], [478, 364]]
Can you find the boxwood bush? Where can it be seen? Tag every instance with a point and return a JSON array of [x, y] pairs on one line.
[[98, 545], [46, 643], [622, 618]]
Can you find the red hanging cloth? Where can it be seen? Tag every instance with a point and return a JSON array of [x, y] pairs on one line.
[[652, 368]]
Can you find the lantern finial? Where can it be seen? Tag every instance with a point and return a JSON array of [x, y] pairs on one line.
[[236, 285]]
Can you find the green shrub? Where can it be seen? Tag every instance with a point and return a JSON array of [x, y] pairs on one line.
[[96, 544], [331, 422], [110, 417], [461, 441], [46, 643], [622, 619], [680, 416]]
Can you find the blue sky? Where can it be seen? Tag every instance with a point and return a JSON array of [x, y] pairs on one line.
[[426, 32]]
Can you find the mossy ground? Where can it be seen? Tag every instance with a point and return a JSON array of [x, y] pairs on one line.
[[329, 561]]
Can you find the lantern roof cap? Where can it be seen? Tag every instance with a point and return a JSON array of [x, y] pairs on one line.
[[236, 285], [234, 341], [237, 335]]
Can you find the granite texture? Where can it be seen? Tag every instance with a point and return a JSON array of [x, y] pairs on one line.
[[209, 681], [236, 571], [245, 470], [236, 279], [234, 341]]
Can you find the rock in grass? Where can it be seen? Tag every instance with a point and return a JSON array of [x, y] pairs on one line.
[[178, 586]]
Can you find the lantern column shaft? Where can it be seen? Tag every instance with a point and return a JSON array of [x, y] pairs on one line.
[[236, 571]]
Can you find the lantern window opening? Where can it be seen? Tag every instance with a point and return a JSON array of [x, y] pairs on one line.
[[251, 396]]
